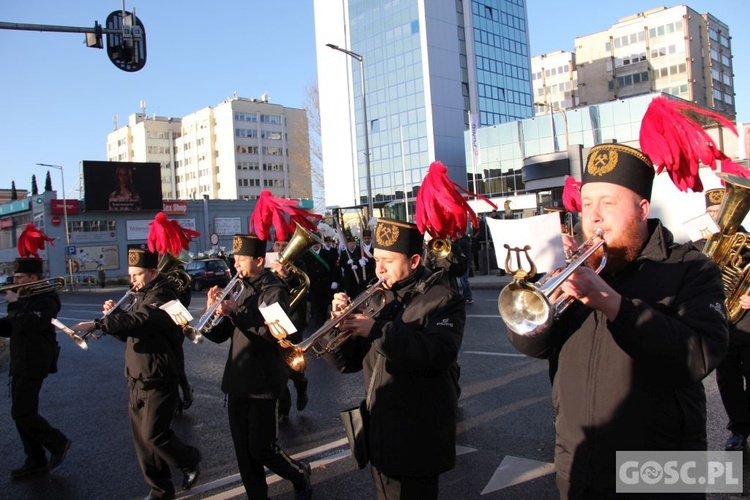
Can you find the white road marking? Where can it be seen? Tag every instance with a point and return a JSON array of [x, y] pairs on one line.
[[516, 470]]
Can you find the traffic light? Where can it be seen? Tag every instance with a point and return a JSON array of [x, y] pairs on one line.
[[94, 40]]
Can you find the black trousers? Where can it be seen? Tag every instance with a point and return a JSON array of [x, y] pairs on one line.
[[252, 422], [157, 446], [404, 487], [300, 385], [570, 491], [733, 380], [35, 432]]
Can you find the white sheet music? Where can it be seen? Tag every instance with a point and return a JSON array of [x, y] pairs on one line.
[[541, 233]]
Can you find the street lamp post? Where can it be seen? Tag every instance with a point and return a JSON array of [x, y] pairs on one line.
[[364, 117], [65, 218], [552, 110]]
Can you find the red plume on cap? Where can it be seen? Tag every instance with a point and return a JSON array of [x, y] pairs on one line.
[[282, 214], [442, 210], [167, 236], [676, 142], [571, 196], [31, 241]]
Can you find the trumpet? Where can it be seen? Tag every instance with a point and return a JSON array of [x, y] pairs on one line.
[[80, 341], [210, 319], [125, 303], [527, 309], [373, 300], [35, 287]]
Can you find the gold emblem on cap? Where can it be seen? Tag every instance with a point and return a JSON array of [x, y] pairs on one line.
[[603, 162], [715, 196], [386, 235], [133, 258], [236, 244]]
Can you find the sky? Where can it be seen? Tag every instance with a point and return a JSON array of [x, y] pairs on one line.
[[61, 99]]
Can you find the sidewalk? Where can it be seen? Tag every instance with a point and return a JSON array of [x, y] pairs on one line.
[[489, 281]]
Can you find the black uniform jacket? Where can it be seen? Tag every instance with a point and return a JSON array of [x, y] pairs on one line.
[[635, 383], [33, 347], [154, 341], [407, 363], [254, 366]]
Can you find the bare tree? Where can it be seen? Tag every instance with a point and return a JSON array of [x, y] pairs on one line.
[[308, 161]]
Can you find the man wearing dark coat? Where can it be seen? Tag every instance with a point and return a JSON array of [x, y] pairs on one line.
[[353, 273], [407, 353], [733, 374], [33, 356], [154, 365], [323, 273], [255, 373], [630, 355]]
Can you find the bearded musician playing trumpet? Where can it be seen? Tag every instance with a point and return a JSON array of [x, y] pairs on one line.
[[628, 356]]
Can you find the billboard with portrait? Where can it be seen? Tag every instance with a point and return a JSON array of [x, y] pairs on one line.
[[121, 186]]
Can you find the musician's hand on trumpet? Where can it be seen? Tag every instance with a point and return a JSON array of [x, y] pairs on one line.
[[108, 306], [586, 286], [358, 324], [227, 307]]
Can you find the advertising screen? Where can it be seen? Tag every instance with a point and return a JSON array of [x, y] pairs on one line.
[[121, 186]]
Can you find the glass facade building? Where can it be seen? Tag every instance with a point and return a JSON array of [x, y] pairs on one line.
[[504, 148], [430, 66]]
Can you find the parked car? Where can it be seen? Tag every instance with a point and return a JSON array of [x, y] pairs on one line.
[[206, 273]]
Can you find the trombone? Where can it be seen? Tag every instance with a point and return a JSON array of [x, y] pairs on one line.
[[527, 308], [35, 287], [373, 299]]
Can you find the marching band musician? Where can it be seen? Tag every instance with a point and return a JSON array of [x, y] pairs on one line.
[[255, 373], [33, 355], [367, 262], [351, 269], [299, 318], [325, 275], [627, 359], [407, 353], [733, 374], [153, 368]]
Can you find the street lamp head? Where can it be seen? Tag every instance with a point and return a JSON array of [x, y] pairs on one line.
[[333, 46]]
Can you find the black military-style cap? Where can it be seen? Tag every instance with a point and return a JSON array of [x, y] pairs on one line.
[[621, 165], [397, 236], [28, 266], [143, 258], [248, 244]]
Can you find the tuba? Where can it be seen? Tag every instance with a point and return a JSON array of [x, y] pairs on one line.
[[300, 242], [726, 247], [169, 265], [527, 308]]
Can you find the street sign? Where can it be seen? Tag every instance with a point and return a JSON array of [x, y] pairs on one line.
[[56, 220], [39, 200], [214, 239], [71, 250], [126, 49]]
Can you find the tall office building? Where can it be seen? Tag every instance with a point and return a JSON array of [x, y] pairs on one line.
[[672, 50], [231, 151], [427, 64]]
